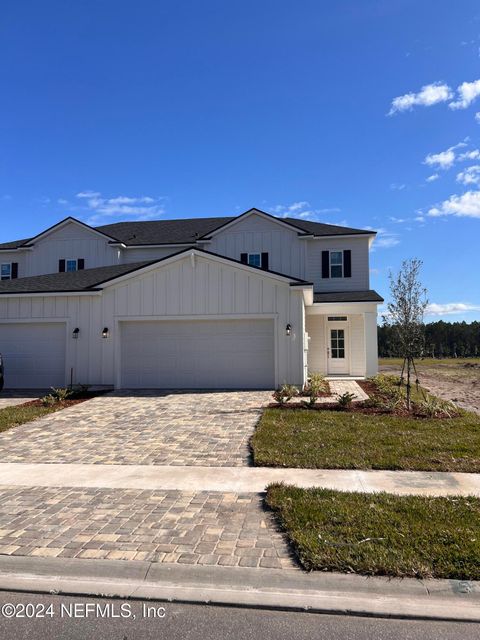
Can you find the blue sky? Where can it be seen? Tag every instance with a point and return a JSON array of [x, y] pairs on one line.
[[358, 113]]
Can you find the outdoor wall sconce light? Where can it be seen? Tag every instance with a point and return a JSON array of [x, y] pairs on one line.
[[75, 333], [288, 329], [105, 332]]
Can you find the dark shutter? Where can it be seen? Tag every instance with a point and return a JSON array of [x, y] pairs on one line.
[[347, 263], [61, 266], [14, 270], [81, 263], [325, 264], [264, 260], [244, 258]]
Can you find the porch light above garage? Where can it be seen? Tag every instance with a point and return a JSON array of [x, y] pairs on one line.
[[105, 332], [288, 329], [75, 333]]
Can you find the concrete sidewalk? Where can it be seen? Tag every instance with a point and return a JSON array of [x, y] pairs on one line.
[[235, 479], [286, 590]]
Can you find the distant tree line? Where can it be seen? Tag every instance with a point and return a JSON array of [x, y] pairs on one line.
[[442, 340]]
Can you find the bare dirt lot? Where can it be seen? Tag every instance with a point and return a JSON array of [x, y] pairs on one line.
[[456, 379]]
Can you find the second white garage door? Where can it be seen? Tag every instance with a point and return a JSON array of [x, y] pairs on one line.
[[34, 354], [200, 354]]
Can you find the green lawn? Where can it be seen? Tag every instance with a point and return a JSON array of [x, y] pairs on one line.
[[380, 534], [13, 416], [342, 440]]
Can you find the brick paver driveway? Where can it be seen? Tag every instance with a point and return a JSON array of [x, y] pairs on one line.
[[167, 428], [214, 528]]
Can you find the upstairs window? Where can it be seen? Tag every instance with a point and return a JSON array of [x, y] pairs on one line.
[[255, 259], [336, 264], [6, 271], [71, 264]]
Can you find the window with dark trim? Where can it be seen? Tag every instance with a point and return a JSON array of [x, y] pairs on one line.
[[6, 271], [337, 263]]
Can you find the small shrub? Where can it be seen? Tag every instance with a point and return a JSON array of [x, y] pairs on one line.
[[345, 400], [315, 386], [387, 385], [285, 393], [432, 407], [56, 396]]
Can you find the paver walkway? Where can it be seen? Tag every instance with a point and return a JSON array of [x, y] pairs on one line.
[[167, 428]]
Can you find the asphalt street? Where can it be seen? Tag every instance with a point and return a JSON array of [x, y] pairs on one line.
[[79, 618]]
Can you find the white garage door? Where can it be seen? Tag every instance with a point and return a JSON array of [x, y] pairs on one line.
[[201, 354], [34, 355]]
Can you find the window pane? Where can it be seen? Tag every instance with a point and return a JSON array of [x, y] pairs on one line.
[[336, 271], [71, 265], [254, 259], [6, 271], [336, 257], [341, 353]]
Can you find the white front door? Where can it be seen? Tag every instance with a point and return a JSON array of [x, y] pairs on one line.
[[337, 349]]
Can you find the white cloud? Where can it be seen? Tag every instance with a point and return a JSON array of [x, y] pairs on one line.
[[395, 186], [471, 175], [467, 92], [428, 95], [432, 178], [470, 155], [385, 239], [450, 308], [302, 209], [100, 209], [477, 117], [465, 205], [444, 159], [62, 201]]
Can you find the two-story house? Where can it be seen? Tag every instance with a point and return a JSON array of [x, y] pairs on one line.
[[244, 302]]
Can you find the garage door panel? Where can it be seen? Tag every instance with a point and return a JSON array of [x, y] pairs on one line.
[[198, 354], [34, 355]]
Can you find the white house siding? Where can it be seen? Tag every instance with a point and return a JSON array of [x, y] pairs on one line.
[[360, 264], [316, 327], [69, 241], [256, 234], [179, 290]]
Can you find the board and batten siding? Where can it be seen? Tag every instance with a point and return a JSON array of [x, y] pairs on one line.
[[201, 288], [256, 234], [69, 241], [360, 279]]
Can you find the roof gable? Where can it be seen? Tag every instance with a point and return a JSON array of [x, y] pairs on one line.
[[62, 224]]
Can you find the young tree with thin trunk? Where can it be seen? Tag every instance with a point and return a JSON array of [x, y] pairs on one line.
[[405, 315]]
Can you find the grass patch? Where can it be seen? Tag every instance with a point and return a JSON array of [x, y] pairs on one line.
[[380, 534], [21, 413], [343, 440]]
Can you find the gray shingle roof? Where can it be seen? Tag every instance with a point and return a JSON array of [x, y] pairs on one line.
[[188, 230], [348, 296], [83, 280]]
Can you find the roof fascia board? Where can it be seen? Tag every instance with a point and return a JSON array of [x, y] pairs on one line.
[[368, 234], [160, 245], [342, 308], [56, 294]]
